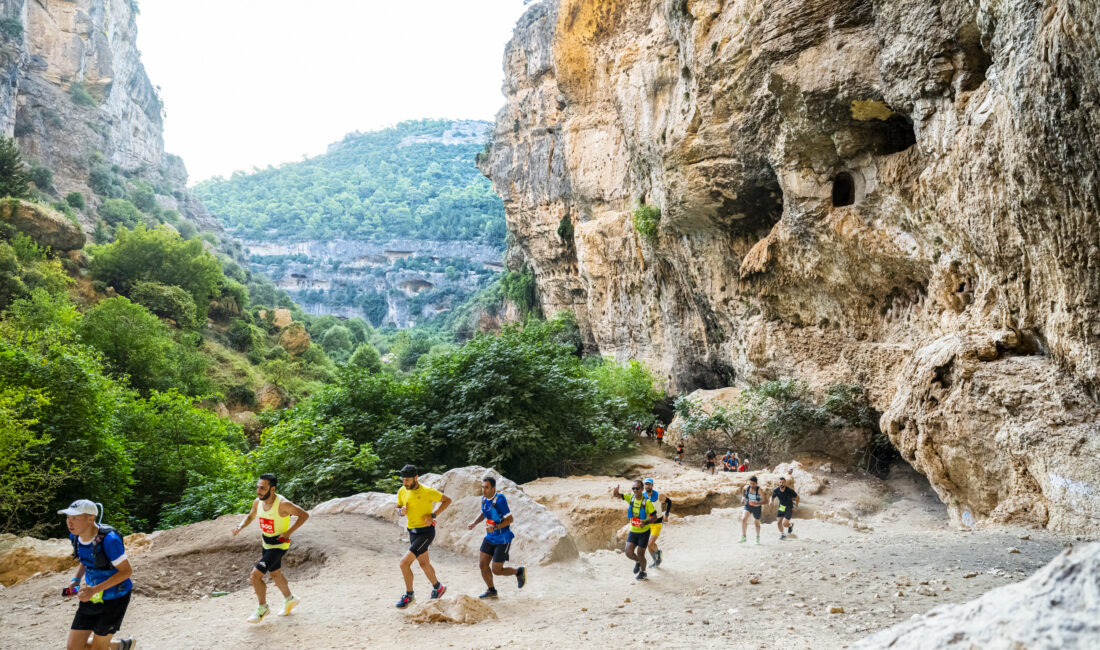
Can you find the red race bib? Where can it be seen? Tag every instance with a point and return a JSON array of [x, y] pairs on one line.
[[636, 522], [489, 523], [267, 525]]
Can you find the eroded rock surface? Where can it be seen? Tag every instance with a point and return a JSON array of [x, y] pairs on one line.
[[42, 224], [841, 184], [1055, 608]]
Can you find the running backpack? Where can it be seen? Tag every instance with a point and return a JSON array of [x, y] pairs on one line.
[[641, 513], [101, 561]]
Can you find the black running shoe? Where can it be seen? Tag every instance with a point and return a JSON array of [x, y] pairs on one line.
[[521, 576], [790, 527], [637, 567], [641, 576], [127, 644], [656, 558], [405, 601], [491, 592], [439, 590]]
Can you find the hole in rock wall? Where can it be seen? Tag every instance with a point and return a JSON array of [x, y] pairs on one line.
[[894, 134], [758, 207], [844, 190]]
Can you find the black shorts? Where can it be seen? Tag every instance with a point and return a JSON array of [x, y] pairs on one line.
[[755, 510], [420, 539], [103, 619], [710, 464], [271, 560], [638, 539], [785, 514], [498, 551]]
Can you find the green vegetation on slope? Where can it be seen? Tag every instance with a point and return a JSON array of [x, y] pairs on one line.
[[370, 186]]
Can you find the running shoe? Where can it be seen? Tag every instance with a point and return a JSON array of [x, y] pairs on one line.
[[758, 541], [439, 590], [790, 527], [641, 576], [259, 614], [637, 567], [405, 601], [782, 536], [127, 644], [656, 558], [491, 592], [742, 540], [289, 604], [521, 576]]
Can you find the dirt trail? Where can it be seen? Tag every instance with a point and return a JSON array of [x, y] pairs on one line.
[[700, 596]]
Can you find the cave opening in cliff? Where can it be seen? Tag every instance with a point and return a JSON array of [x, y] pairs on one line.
[[844, 190], [880, 454], [894, 135]]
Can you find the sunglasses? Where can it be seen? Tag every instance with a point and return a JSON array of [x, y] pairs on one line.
[[636, 488]]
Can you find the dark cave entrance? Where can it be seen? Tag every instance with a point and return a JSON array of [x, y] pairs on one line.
[[844, 190]]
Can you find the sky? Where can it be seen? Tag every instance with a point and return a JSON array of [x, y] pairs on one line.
[[256, 82]]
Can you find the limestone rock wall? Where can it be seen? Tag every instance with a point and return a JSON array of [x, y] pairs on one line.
[[67, 45], [847, 189]]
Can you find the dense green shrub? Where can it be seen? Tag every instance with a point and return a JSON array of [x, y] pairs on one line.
[[166, 301], [120, 212], [366, 356], [144, 198], [11, 28], [337, 342], [158, 255], [80, 95], [520, 288], [244, 336], [75, 199], [24, 268], [647, 220], [42, 178]]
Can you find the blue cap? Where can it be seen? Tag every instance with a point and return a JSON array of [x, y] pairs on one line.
[[648, 480]]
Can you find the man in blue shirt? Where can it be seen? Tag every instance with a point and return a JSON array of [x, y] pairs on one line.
[[498, 537], [106, 572]]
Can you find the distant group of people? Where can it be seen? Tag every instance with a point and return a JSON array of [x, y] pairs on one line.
[[655, 430]]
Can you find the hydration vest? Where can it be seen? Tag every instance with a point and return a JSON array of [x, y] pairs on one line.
[[101, 561], [642, 512]]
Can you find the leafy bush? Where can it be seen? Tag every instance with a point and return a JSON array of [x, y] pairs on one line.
[[14, 180], [521, 289], [366, 357], [158, 255], [337, 342], [120, 212], [75, 199], [11, 28], [144, 198], [166, 301], [24, 268], [244, 336], [80, 95], [647, 219], [42, 178]]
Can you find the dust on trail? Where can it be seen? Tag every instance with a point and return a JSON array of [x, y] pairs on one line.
[[699, 597]]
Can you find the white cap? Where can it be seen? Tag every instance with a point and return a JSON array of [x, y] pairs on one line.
[[80, 507]]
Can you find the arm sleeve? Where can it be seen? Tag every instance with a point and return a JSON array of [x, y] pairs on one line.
[[112, 546]]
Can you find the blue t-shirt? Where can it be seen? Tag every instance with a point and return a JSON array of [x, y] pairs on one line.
[[112, 546], [495, 510]]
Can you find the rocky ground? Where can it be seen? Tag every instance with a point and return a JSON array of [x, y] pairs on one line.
[[902, 559]]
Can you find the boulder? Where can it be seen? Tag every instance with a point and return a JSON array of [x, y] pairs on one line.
[[540, 537], [22, 557], [45, 226], [464, 609], [1055, 608], [270, 396], [294, 339], [280, 318]]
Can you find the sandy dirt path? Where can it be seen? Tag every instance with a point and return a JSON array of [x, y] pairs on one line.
[[699, 597]]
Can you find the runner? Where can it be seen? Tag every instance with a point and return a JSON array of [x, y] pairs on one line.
[[680, 453], [414, 501], [744, 466], [753, 500], [660, 434], [107, 586], [275, 531], [655, 527], [498, 537], [727, 462], [790, 484], [641, 513], [710, 461], [788, 500]]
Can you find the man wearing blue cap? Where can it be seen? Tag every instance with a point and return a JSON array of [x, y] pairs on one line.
[[106, 573], [655, 528]]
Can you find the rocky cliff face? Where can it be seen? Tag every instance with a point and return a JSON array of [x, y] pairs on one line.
[[74, 90], [900, 193]]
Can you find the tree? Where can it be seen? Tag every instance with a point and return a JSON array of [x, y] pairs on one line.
[[14, 180], [366, 356], [75, 199], [120, 212], [337, 342], [166, 301], [158, 255]]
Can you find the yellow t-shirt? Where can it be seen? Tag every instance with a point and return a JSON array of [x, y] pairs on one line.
[[419, 503], [636, 514]]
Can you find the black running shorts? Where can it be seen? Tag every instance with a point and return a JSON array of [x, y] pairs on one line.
[[499, 552], [271, 560], [784, 514], [638, 539], [420, 539], [755, 510], [103, 619]]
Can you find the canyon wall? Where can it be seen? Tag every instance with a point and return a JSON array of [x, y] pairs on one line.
[[902, 193]]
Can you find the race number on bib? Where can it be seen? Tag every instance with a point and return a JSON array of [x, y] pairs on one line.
[[489, 523], [636, 522], [782, 508], [267, 525]]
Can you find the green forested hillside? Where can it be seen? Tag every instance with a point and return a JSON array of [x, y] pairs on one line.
[[416, 180]]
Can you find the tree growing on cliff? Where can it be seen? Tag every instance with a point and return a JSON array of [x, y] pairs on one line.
[[14, 180], [647, 219]]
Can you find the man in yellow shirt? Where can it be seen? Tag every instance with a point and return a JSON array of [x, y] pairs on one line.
[[641, 512], [415, 503]]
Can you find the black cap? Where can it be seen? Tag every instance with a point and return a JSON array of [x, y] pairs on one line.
[[409, 471]]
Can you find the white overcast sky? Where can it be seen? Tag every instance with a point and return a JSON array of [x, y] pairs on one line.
[[258, 82]]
